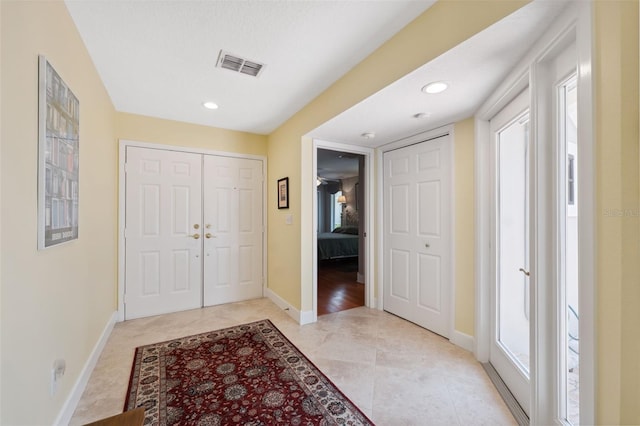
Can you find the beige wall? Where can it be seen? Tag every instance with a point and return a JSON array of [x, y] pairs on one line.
[[464, 158], [618, 233], [156, 130], [444, 25], [54, 303]]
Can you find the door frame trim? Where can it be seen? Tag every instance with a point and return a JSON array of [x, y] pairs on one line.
[[369, 217], [123, 144], [447, 130], [578, 18]]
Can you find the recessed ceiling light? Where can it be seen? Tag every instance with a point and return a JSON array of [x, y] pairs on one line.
[[368, 135], [435, 87], [210, 105]]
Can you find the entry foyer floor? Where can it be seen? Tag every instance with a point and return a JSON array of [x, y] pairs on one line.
[[395, 371]]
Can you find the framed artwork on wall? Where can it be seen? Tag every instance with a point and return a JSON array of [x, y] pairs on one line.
[[283, 193], [58, 158]]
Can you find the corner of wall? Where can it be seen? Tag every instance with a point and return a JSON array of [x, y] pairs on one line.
[[464, 189], [301, 317]]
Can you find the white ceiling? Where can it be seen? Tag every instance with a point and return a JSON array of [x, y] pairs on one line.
[[157, 58], [473, 70]]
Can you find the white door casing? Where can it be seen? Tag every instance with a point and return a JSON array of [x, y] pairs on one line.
[[417, 233], [233, 229], [163, 259], [553, 400], [367, 229], [575, 21]]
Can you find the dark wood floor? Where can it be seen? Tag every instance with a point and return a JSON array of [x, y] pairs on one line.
[[338, 289]]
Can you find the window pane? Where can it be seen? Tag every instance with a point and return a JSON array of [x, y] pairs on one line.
[[571, 361], [513, 210], [336, 211]]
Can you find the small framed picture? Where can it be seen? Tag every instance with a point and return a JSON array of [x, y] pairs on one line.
[[283, 193]]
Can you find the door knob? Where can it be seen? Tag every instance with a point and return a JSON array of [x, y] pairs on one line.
[[195, 236], [196, 226], [208, 225], [524, 272], [208, 235], [427, 245]]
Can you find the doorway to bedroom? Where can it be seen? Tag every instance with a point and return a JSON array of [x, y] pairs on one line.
[[340, 235]]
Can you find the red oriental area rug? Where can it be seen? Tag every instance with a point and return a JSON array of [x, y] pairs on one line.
[[248, 375]]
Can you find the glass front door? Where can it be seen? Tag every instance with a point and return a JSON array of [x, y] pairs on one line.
[[511, 304], [513, 230]]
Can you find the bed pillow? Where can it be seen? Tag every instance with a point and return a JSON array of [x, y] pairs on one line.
[[352, 230]]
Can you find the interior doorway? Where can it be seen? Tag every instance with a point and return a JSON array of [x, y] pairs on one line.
[[340, 207]]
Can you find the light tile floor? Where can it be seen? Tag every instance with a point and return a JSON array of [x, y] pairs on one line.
[[396, 372]]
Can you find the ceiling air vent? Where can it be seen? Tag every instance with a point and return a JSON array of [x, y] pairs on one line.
[[238, 64]]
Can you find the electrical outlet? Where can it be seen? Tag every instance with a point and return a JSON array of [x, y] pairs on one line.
[[57, 371]]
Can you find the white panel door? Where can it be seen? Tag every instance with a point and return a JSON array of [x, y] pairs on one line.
[[417, 235], [233, 208], [162, 255]]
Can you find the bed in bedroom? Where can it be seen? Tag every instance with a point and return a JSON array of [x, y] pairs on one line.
[[342, 242]]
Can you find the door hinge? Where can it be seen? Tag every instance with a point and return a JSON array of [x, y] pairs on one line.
[[126, 167]]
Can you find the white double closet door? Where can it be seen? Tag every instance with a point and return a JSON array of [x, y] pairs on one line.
[[193, 230]]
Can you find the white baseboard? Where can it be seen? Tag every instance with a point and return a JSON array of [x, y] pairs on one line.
[[304, 317], [377, 303], [69, 407], [463, 340]]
